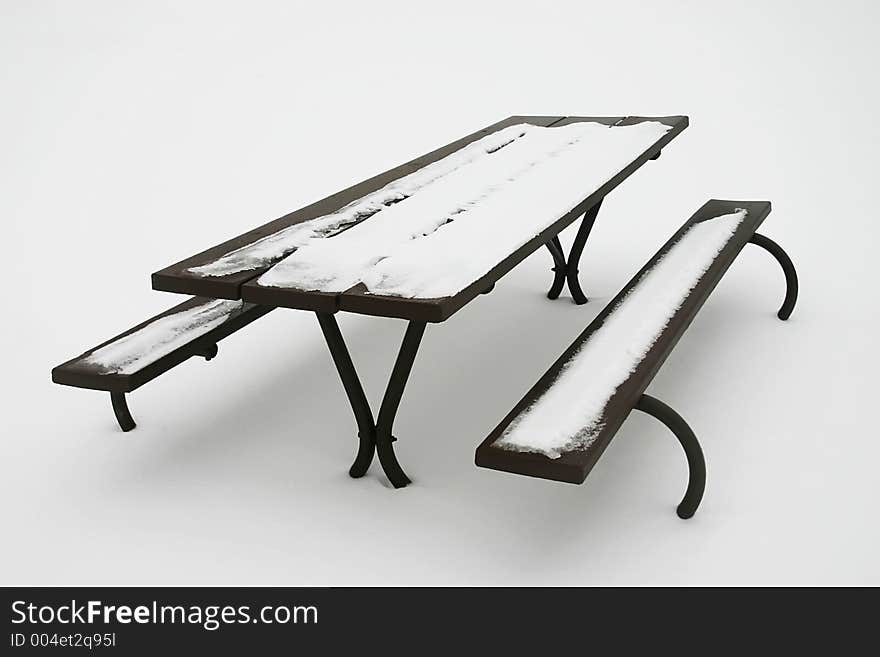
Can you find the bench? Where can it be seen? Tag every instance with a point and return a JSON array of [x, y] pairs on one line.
[[131, 359], [564, 423]]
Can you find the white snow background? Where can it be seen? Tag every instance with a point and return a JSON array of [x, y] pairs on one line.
[[136, 134]]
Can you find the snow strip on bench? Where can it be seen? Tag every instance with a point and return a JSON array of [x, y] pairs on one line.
[[136, 350], [568, 415], [459, 217]]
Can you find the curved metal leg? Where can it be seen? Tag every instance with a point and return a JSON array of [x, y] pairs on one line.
[[120, 404], [692, 450], [568, 271], [390, 403], [355, 392], [120, 409], [574, 257], [559, 268], [375, 437], [791, 280]]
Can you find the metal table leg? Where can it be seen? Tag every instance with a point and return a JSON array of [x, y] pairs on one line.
[[374, 436], [568, 270]]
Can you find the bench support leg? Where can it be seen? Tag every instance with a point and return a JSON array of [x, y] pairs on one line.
[[692, 450], [120, 409], [120, 405], [791, 280], [374, 437], [568, 271]]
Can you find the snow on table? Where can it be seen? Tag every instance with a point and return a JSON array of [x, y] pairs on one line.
[[569, 414], [435, 231], [148, 344]]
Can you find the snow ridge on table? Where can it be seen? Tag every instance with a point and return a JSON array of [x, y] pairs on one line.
[[266, 250], [568, 415], [136, 350], [465, 213]]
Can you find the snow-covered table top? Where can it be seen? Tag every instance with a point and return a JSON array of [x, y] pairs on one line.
[[422, 240]]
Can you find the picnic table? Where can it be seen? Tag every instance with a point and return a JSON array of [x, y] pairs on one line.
[[424, 239]]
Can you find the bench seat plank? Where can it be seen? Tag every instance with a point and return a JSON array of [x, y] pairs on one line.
[[131, 359], [538, 437]]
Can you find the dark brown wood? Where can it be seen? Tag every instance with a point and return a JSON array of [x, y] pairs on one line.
[[80, 374], [359, 300], [176, 278], [573, 466]]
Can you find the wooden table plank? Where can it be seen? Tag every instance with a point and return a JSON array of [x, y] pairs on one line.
[[177, 278]]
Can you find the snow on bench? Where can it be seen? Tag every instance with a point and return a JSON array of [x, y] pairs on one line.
[[142, 353], [562, 426], [160, 337], [569, 415], [439, 229]]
